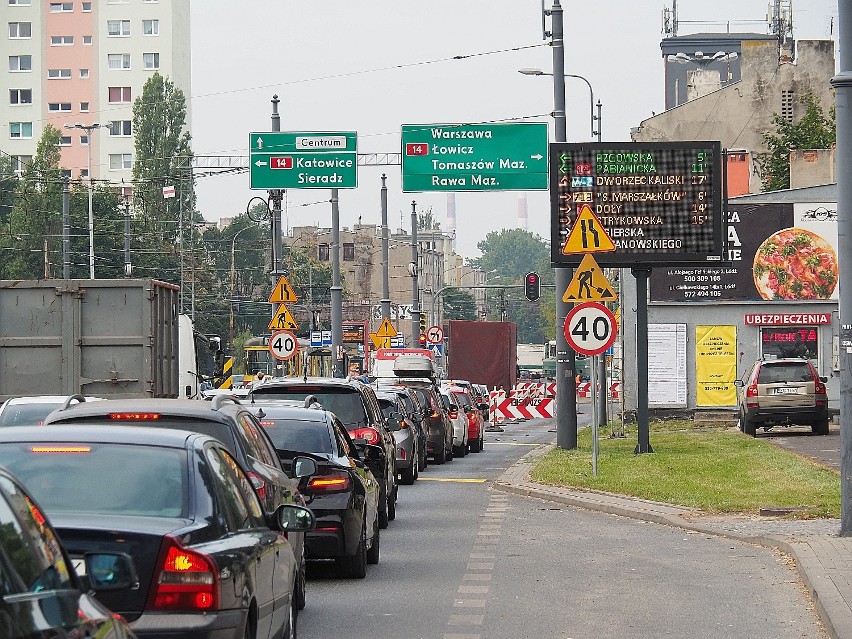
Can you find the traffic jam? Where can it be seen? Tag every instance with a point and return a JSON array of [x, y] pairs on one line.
[[160, 514]]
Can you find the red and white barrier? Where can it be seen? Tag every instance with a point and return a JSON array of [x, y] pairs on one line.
[[511, 408]]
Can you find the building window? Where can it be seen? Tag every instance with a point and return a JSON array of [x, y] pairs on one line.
[[21, 162], [84, 74], [66, 173], [151, 60], [786, 341], [20, 3], [118, 161], [61, 41], [84, 173], [59, 74], [787, 105], [118, 28], [84, 107], [20, 63], [119, 94], [120, 127], [348, 252], [20, 96], [87, 7], [87, 39], [65, 140], [151, 27], [21, 130], [20, 30], [84, 140], [118, 60], [322, 252], [61, 7], [55, 107]]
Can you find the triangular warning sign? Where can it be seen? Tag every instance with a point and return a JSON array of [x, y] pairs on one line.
[[589, 284], [386, 329], [380, 342], [282, 320], [588, 235], [283, 292]]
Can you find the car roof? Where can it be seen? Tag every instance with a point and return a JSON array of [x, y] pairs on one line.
[[283, 411], [279, 382], [216, 410], [100, 433]]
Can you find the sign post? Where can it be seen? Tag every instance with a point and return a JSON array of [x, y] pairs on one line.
[[303, 160], [474, 157]]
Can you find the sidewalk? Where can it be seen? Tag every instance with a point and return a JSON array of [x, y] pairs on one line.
[[823, 558]]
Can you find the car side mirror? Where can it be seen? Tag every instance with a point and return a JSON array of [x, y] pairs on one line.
[[739, 383], [304, 467], [290, 518], [394, 421], [452, 407], [417, 417], [824, 380], [110, 571]]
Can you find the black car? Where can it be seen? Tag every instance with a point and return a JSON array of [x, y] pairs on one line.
[[439, 429], [344, 494], [209, 561], [355, 404], [224, 418], [41, 596]]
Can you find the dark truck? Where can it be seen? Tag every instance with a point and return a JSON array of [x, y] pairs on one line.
[[483, 353]]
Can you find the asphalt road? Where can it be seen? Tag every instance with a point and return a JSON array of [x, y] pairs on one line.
[[463, 561], [824, 449]]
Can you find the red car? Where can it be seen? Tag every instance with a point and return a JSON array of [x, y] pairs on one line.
[[475, 424]]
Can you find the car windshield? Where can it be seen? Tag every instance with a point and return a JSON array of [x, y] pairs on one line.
[[27, 414], [295, 435], [784, 372], [344, 402], [101, 478]]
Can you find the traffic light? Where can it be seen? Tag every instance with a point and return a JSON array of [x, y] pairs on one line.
[[532, 286], [422, 340]]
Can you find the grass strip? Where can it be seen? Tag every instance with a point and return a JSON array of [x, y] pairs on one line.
[[713, 468]]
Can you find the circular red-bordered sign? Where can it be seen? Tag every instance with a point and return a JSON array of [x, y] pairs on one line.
[[283, 345], [590, 328]]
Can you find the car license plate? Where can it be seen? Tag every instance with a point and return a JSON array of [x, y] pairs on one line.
[[785, 391]]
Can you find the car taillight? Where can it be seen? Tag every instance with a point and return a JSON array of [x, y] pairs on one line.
[[402, 453], [434, 414], [259, 485], [334, 482], [453, 414], [819, 388], [135, 417], [751, 391], [370, 435], [183, 580]]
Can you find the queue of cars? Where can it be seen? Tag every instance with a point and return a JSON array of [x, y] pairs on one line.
[[196, 518]]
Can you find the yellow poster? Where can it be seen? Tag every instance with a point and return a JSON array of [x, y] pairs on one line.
[[715, 365]]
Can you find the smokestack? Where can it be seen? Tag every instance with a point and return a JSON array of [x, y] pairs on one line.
[[451, 218], [522, 213]]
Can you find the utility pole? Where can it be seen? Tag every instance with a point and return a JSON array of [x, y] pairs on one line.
[[276, 195], [415, 290], [66, 229], [128, 268], [386, 302], [336, 291], [566, 358], [842, 84]]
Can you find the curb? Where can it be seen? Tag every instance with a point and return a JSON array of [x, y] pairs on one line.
[[821, 582]]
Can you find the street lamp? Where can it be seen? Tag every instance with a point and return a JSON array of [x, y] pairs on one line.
[[233, 245], [88, 128], [527, 71]]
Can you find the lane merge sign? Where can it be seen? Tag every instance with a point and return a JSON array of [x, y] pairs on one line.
[[303, 160], [474, 157], [590, 328]]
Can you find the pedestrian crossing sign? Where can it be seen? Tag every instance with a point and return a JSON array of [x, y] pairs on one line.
[[589, 284]]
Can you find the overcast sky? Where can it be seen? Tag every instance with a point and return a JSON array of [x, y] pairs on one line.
[[372, 65]]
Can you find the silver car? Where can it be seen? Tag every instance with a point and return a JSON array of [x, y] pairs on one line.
[[407, 441]]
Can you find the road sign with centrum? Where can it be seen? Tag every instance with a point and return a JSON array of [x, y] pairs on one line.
[[474, 157], [303, 160]]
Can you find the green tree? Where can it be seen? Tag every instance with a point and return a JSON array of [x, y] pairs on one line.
[[459, 305], [427, 220], [814, 130], [163, 158]]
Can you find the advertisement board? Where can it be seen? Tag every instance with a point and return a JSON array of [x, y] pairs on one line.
[[776, 252], [715, 365], [667, 364], [660, 203]]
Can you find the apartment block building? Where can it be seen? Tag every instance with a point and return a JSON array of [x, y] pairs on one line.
[[83, 63]]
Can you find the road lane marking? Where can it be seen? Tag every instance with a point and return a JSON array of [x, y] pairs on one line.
[[469, 603], [458, 480], [482, 555], [481, 566], [475, 576], [474, 590], [466, 620]]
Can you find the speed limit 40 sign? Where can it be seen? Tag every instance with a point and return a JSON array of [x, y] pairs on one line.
[[590, 328], [283, 345]]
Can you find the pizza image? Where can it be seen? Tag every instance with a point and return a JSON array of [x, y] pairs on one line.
[[795, 264]]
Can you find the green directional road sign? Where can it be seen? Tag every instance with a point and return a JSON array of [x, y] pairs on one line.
[[474, 157], [309, 160]]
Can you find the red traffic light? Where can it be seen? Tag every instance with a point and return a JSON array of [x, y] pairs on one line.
[[532, 289], [532, 278], [422, 340]]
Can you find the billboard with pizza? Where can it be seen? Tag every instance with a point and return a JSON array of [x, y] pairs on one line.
[[776, 252]]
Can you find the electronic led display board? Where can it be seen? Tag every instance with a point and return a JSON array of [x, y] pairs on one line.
[[659, 202]]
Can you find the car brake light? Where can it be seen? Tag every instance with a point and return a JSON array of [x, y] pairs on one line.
[[370, 435], [454, 414], [402, 453], [751, 391], [334, 482], [434, 415], [135, 417], [183, 580], [60, 449], [819, 388], [259, 485]]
